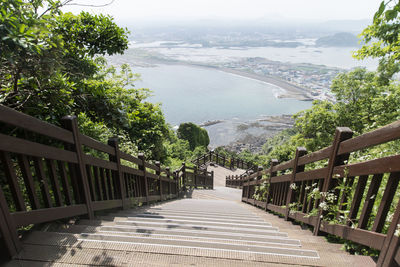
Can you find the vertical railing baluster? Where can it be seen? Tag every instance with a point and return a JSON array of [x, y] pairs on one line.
[[341, 134], [119, 175], [300, 151], [8, 229], [168, 171], [142, 167], [12, 181], [158, 173], [65, 183], [28, 179], [272, 173], [391, 243], [70, 123]]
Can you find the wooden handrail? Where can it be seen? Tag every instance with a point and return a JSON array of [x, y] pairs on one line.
[[214, 157], [288, 193], [72, 182]]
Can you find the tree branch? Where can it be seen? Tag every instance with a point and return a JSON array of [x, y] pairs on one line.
[[87, 5]]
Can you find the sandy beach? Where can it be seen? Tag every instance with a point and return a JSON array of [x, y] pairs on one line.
[[290, 90]]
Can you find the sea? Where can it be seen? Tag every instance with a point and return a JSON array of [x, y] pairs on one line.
[[189, 93]]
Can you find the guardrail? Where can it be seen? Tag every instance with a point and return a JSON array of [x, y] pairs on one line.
[[361, 216], [236, 181], [223, 161], [47, 173], [193, 177]]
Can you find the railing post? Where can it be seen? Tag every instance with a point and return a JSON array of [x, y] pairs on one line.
[[117, 159], [259, 177], [341, 134], [184, 175], [259, 172], [391, 243], [232, 163], [195, 177], [223, 161], [248, 186], [212, 179], [142, 167], [176, 177], [158, 173], [274, 162], [167, 170], [70, 123], [8, 229], [300, 151]]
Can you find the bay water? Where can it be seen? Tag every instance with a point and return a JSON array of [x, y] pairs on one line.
[[201, 94]]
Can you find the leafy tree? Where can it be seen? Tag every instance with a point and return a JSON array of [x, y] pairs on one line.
[[51, 65], [195, 135], [382, 40]]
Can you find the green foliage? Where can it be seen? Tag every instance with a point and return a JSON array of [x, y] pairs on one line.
[[195, 135], [382, 40], [261, 192], [178, 148], [363, 104], [50, 66], [198, 152]]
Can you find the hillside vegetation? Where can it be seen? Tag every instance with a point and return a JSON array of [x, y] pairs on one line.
[[365, 100], [52, 65]]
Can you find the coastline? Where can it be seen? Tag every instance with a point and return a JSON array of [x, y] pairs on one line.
[[291, 91], [287, 90], [284, 88]]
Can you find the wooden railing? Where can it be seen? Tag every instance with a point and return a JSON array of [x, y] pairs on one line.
[[236, 181], [361, 215], [194, 177], [49, 173], [223, 161]]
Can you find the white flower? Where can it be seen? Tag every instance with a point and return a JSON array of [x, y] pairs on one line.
[[315, 191], [323, 205], [331, 197], [397, 233], [293, 186]]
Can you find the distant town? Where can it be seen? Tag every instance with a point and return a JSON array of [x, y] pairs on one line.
[[315, 80]]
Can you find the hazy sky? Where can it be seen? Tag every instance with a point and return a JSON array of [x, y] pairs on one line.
[[233, 9]]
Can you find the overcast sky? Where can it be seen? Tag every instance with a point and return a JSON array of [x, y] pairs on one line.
[[125, 10]]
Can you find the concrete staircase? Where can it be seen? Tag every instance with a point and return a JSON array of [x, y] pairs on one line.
[[185, 228], [207, 228]]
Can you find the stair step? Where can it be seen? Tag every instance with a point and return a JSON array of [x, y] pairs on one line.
[[38, 256], [190, 217], [184, 221], [210, 244], [248, 217], [193, 248], [200, 226], [277, 238], [232, 240], [147, 226]]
